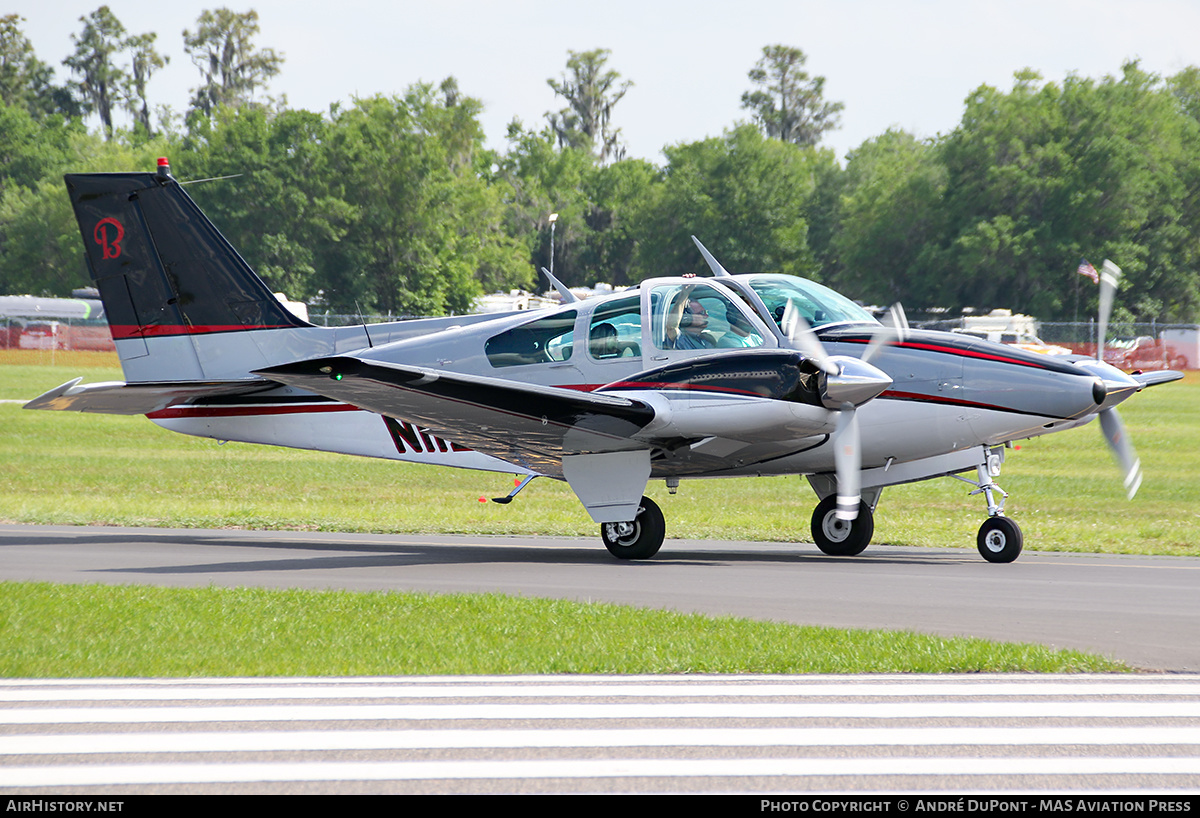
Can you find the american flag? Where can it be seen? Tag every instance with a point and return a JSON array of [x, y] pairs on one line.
[[1086, 269]]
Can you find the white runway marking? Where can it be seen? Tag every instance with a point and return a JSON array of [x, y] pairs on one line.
[[659, 734]]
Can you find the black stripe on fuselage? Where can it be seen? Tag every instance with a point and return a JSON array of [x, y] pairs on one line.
[[949, 343]]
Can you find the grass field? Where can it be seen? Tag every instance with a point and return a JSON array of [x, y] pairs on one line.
[[85, 631], [71, 468]]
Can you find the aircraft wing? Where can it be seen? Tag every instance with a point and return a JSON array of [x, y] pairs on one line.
[[527, 424]]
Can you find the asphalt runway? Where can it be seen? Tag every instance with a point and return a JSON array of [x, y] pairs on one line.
[[1141, 610]]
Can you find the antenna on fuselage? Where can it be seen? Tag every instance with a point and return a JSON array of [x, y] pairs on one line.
[[362, 320], [568, 297]]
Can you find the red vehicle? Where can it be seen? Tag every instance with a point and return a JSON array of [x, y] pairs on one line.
[[28, 322]]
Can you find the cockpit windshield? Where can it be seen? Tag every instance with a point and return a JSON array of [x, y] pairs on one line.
[[818, 304]]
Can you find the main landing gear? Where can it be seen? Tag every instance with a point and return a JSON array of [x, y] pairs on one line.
[[841, 538], [638, 539]]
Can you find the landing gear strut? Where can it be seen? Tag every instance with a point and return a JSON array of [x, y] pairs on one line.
[[638, 539]]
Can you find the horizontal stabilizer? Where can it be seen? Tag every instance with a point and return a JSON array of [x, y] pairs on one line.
[[117, 398]]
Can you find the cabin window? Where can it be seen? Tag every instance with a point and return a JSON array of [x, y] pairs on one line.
[[616, 330], [545, 340]]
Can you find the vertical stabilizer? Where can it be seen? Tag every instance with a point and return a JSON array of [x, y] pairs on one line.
[[173, 288]]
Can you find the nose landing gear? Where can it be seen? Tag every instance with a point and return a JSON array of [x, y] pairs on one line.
[[1000, 538]]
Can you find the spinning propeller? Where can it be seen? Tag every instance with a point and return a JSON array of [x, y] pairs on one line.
[[848, 383], [1110, 422]]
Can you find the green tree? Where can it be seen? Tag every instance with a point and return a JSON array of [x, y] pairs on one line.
[[747, 197], [616, 196], [233, 69], [24, 79], [145, 61], [543, 179], [788, 104], [889, 214], [278, 210], [41, 249], [1045, 174], [31, 148], [102, 81], [591, 93], [428, 227]]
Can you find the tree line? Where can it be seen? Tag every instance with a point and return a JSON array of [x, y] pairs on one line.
[[394, 203]]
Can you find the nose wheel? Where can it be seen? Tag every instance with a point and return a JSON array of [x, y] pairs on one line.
[[1000, 540]]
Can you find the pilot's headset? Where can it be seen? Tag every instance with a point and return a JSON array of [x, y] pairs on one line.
[[687, 319]]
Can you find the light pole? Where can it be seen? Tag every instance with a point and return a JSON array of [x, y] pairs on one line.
[[553, 219]]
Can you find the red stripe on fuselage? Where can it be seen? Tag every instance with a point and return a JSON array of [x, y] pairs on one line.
[[123, 331], [945, 349]]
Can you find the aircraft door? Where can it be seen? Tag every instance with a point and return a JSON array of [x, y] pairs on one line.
[[692, 318]]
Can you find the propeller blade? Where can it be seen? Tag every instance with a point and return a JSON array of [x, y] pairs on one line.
[[804, 339], [892, 332], [848, 463], [1110, 276], [1122, 449]]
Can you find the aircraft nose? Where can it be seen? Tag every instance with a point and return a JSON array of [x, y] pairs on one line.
[[855, 383], [1112, 386]]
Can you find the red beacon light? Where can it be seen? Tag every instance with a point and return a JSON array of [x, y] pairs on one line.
[[164, 167]]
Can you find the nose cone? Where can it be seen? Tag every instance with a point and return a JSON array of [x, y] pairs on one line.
[[855, 383]]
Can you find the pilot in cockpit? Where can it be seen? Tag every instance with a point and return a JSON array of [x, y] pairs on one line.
[[687, 323]]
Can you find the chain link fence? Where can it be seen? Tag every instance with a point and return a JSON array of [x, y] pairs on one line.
[[1129, 346]]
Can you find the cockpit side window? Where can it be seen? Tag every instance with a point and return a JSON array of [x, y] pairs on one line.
[[545, 340], [615, 331], [698, 316]]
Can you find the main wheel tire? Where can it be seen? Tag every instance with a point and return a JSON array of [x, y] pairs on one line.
[[1000, 539], [639, 539], [841, 538]]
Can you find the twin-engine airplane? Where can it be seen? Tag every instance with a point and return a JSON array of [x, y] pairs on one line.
[[727, 376]]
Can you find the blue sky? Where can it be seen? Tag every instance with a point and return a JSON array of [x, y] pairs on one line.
[[893, 64]]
